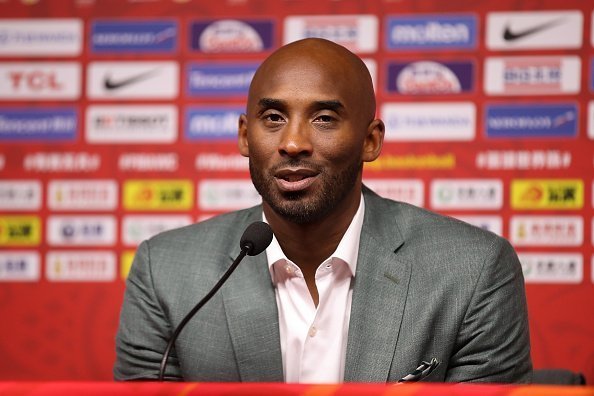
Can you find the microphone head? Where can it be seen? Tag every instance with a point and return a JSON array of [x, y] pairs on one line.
[[256, 238]]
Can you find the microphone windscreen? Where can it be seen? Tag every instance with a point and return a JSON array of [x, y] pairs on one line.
[[256, 238]]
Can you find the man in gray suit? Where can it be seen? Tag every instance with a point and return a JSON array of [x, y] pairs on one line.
[[354, 287]]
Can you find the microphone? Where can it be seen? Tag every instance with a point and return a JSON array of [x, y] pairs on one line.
[[255, 239]]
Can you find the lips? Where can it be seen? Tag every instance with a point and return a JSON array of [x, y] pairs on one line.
[[295, 179]]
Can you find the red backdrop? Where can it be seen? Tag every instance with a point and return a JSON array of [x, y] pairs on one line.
[[492, 127]]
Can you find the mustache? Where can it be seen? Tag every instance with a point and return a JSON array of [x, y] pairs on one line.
[[296, 163]]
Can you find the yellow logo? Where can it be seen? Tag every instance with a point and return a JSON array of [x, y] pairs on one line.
[[126, 260], [158, 194], [412, 161], [547, 194], [19, 230]]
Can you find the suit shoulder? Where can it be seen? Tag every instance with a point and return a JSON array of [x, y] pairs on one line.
[[415, 223], [215, 230]]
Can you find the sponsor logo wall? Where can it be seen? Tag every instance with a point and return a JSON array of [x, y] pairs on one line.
[[118, 122]]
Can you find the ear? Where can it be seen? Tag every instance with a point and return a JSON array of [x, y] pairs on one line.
[[242, 140], [374, 140]]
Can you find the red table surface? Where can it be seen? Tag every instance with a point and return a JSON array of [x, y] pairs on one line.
[[193, 388]]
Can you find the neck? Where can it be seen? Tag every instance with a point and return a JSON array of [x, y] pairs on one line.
[[309, 244]]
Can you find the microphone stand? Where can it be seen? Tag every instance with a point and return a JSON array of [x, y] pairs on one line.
[[245, 249]]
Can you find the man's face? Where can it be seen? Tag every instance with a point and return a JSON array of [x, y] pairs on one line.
[[304, 137]]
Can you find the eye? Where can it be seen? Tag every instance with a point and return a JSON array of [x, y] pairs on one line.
[[273, 117], [325, 121]]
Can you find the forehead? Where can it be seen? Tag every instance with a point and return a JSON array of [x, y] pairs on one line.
[[303, 79]]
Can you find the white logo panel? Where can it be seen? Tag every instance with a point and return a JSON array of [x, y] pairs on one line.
[[358, 33], [17, 195], [131, 124], [40, 80], [552, 267], [547, 230], [429, 121], [19, 266], [80, 266], [404, 190], [466, 194], [223, 195], [532, 75], [84, 195], [137, 228], [41, 37], [534, 30], [81, 230], [133, 80]]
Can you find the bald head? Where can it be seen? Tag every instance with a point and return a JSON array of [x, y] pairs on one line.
[[310, 56]]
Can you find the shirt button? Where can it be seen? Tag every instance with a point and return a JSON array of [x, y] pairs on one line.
[[313, 331]]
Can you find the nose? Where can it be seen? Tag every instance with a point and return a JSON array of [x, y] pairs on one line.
[[295, 140]]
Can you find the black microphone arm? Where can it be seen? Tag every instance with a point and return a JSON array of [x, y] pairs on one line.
[[255, 239]]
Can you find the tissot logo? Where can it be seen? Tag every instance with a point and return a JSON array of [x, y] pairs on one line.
[[534, 30], [41, 125], [229, 79], [133, 80]]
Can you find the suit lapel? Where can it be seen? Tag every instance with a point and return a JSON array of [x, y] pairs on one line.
[[252, 318], [379, 296]]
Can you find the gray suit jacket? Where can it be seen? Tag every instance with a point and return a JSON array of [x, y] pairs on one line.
[[426, 286]]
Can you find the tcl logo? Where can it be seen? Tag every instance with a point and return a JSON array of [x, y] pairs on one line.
[[35, 81], [40, 80]]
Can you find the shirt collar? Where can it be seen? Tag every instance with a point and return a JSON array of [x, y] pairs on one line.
[[347, 249]]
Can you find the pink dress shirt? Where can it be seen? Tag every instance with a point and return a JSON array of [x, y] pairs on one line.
[[313, 340]]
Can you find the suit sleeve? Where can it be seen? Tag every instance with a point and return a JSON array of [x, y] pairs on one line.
[[144, 330], [493, 343]]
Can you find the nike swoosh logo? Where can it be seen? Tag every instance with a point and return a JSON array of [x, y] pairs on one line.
[[509, 35], [111, 85]]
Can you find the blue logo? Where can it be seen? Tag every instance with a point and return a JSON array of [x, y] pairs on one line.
[[219, 79], [38, 124], [153, 36], [212, 123], [592, 74], [430, 77], [431, 32], [535, 120], [231, 36]]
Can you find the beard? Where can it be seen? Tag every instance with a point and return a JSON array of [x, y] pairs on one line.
[[302, 207]]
